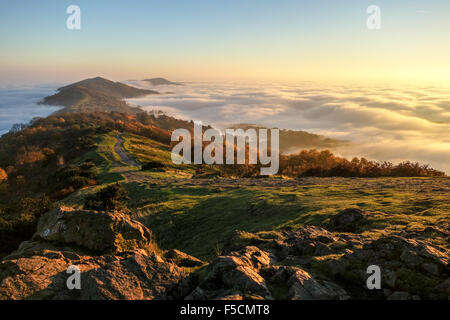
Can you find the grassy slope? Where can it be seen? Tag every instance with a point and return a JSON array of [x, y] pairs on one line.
[[198, 219], [145, 149]]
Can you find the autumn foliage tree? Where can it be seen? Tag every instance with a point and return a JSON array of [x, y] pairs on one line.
[[3, 175], [326, 164]]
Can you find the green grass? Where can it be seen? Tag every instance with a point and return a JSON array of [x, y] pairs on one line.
[[145, 150], [199, 219]]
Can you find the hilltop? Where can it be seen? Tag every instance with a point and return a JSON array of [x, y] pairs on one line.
[[161, 81], [95, 94]]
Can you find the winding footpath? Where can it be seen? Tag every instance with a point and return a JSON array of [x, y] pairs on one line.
[[120, 150]]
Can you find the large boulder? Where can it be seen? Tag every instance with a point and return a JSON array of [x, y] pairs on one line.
[[236, 274], [115, 255], [101, 232]]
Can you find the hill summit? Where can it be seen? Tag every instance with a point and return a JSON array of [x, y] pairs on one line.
[[161, 81], [95, 94]]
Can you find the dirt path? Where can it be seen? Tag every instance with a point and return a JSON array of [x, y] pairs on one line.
[[124, 157]]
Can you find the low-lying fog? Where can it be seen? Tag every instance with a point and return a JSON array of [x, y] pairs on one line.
[[383, 122], [20, 105]]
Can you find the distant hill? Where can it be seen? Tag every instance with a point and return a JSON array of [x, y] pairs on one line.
[[293, 140], [96, 94], [161, 82]]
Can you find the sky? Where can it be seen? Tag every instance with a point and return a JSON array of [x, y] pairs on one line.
[[232, 40]]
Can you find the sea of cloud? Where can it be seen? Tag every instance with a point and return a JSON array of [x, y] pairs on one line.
[[383, 122], [20, 105]]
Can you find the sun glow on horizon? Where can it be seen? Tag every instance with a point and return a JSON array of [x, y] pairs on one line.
[[203, 41]]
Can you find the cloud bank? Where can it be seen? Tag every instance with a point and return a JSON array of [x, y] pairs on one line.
[[383, 122], [19, 105]]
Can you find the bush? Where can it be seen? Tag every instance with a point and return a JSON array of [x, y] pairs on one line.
[[73, 177], [78, 182], [111, 198], [22, 228], [152, 165]]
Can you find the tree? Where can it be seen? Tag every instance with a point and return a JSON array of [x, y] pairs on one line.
[[17, 127], [3, 175]]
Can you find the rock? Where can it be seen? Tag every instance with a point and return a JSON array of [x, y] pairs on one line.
[[322, 250], [255, 256], [102, 232], [410, 258], [304, 287], [412, 252], [38, 271], [126, 264], [335, 267], [308, 241], [431, 268], [304, 247], [133, 277], [444, 288], [347, 220], [182, 259], [238, 271], [312, 233], [400, 295], [389, 278]]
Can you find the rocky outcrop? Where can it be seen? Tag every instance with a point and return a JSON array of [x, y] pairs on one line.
[[416, 267], [102, 232], [254, 274], [118, 259], [39, 271], [116, 256], [339, 261]]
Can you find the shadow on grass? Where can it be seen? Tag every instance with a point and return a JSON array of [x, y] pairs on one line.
[[214, 218]]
